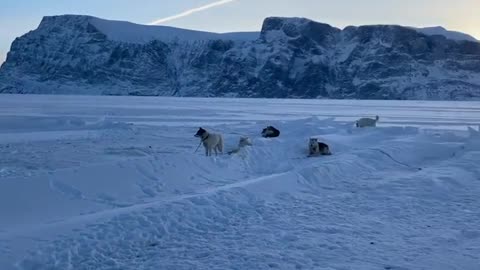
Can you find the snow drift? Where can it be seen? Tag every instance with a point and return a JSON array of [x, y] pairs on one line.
[[131, 194]]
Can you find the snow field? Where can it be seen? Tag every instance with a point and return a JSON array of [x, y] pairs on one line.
[[92, 187]]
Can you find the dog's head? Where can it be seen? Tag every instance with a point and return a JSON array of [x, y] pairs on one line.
[[200, 133], [313, 141], [244, 141], [268, 131]]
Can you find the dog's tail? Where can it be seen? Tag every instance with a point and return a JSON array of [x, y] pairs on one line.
[[234, 151], [220, 144]]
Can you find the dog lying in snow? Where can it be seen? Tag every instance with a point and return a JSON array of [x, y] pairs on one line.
[[367, 122], [316, 148], [211, 141], [244, 141], [270, 132]]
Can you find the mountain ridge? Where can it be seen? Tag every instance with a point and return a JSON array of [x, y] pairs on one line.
[[288, 58]]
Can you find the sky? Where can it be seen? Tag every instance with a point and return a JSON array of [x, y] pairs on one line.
[[17, 17]]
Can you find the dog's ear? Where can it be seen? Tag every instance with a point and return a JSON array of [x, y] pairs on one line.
[[200, 131]]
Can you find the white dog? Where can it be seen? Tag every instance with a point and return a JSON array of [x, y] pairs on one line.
[[244, 141], [367, 122], [211, 141], [316, 148]]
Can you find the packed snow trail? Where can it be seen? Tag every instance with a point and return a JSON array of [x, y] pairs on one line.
[[131, 195]]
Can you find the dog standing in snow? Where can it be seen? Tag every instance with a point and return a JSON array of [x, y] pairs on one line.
[[270, 132], [316, 148], [367, 122], [211, 141], [244, 141]]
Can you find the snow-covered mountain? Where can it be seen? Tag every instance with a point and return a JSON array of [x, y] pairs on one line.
[[290, 57], [438, 30]]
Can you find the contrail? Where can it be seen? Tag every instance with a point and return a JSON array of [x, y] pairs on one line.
[[191, 11]]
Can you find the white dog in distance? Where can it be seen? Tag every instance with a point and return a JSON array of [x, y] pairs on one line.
[[367, 122], [211, 141]]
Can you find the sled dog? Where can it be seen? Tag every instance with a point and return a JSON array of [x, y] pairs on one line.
[[367, 122], [270, 132], [211, 141], [244, 141], [316, 148]]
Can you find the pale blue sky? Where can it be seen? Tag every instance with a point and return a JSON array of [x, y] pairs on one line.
[[20, 16]]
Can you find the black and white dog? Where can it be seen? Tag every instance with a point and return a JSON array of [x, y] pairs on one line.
[[316, 148], [270, 132], [211, 141]]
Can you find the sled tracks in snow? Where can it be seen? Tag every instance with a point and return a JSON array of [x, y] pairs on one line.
[[110, 213]]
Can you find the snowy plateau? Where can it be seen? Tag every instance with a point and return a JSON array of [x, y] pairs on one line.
[[109, 182], [288, 58]]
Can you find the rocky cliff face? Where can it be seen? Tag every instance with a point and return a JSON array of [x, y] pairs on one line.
[[289, 58]]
